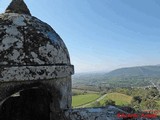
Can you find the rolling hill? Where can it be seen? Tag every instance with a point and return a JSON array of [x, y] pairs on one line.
[[142, 71], [124, 77]]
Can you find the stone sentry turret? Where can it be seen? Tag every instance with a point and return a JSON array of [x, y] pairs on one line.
[[35, 72], [35, 69]]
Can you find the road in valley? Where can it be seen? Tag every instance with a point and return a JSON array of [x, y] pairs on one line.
[[97, 100]]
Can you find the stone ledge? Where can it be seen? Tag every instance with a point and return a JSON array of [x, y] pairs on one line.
[[23, 73], [101, 113]]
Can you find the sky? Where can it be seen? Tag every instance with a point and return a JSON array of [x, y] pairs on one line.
[[103, 35]]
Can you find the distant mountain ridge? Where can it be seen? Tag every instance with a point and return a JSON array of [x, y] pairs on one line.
[[143, 71], [123, 77]]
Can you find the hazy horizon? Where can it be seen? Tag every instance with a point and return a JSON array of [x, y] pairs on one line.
[[106, 35], [107, 71]]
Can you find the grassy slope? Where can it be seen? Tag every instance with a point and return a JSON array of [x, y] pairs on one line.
[[83, 99], [120, 99]]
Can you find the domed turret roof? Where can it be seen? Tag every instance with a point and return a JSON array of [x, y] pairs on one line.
[[27, 41]]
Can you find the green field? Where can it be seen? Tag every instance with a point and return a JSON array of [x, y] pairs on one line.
[[80, 91], [83, 99], [120, 99]]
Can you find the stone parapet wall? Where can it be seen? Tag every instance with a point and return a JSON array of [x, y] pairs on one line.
[[91, 114], [101, 113]]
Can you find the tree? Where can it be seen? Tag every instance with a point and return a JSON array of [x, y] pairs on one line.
[[150, 104], [109, 102], [153, 92], [96, 104], [136, 99], [135, 102]]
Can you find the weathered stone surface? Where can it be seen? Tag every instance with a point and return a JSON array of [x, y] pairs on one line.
[[25, 40], [18, 6], [93, 114], [105, 113], [31, 49], [32, 55], [23, 73]]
